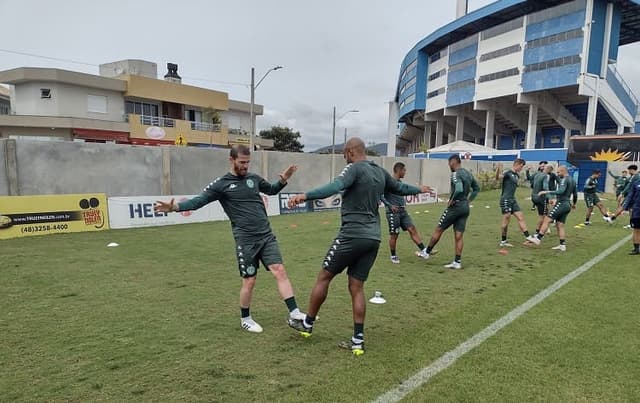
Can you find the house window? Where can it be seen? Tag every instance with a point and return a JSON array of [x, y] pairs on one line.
[[45, 93], [97, 103], [141, 108]]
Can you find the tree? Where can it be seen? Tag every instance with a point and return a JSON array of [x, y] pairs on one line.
[[284, 139], [211, 115]]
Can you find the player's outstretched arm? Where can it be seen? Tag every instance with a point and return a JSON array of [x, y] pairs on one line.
[[475, 189], [165, 207]]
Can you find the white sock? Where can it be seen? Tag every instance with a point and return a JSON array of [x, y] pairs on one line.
[[294, 312]]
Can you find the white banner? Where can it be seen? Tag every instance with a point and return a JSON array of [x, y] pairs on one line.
[[134, 212]]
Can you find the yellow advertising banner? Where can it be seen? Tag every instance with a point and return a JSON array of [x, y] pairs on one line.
[[52, 214]]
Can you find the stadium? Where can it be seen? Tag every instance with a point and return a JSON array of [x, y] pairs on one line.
[[518, 75]]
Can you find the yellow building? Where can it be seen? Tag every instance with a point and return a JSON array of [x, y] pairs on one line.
[[126, 103]]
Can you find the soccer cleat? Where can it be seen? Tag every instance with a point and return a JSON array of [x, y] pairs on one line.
[[355, 345], [562, 248], [635, 252], [505, 244], [607, 219], [454, 265], [423, 254], [534, 240], [250, 325], [395, 260], [298, 325], [298, 314], [627, 227], [587, 223]]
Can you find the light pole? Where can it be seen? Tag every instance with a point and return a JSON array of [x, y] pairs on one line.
[[333, 141], [252, 123]]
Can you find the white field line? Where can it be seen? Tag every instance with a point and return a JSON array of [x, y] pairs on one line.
[[425, 374]]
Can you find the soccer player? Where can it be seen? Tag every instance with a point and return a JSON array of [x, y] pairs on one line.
[[542, 181], [508, 204], [620, 184], [632, 202], [635, 177], [464, 189], [531, 178], [567, 194], [398, 217], [356, 246], [591, 198], [239, 194]]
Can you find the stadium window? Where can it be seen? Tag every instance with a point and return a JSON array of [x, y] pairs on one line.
[[45, 93], [408, 100], [503, 28], [500, 52], [498, 75], [550, 64], [557, 11], [561, 37], [408, 69], [408, 84], [437, 74], [461, 84], [435, 93], [472, 40], [462, 65]]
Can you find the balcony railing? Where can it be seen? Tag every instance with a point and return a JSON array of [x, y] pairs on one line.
[[157, 121], [623, 91], [206, 127]]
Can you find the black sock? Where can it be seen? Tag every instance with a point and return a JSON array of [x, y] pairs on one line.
[[526, 234], [457, 258], [540, 235], [393, 252], [429, 249], [563, 242], [421, 246], [504, 238], [244, 312], [358, 331], [309, 320], [636, 246], [291, 303], [537, 231]]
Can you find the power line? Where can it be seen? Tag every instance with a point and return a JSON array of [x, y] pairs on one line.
[[57, 59]]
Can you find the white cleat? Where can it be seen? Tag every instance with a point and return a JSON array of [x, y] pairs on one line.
[[423, 254], [627, 227], [505, 244], [607, 219], [454, 265], [250, 325], [395, 260], [299, 315], [561, 248], [534, 240]]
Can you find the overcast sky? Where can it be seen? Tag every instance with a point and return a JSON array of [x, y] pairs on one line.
[[345, 53]]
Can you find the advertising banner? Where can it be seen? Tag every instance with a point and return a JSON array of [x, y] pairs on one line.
[[305, 207], [134, 212], [52, 214]]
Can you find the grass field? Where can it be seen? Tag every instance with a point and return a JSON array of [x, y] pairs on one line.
[[157, 318]]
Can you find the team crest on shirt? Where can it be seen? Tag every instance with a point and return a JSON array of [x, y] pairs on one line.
[[250, 183], [251, 270]]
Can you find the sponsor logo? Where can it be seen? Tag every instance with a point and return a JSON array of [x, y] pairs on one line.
[[155, 132]]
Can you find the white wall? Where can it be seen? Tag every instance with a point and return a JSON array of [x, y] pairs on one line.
[[504, 86], [66, 100], [436, 103], [439, 64], [236, 120]]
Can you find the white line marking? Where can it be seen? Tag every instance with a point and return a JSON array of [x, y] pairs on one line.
[[442, 363]]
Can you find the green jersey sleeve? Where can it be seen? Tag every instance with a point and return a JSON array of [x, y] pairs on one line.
[[210, 194], [475, 188], [392, 185], [270, 188]]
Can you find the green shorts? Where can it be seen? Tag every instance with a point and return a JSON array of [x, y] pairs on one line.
[[355, 255], [509, 206], [251, 254], [560, 211], [541, 204], [591, 199], [399, 220], [455, 215]]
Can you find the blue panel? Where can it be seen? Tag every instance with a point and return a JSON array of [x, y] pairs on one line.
[[544, 155], [637, 128], [615, 32], [596, 45], [421, 80], [468, 73], [622, 93], [408, 77], [604, 122], [550, 135], [586, 168], [551, 78], [461, 96], [505, 143], [407, 93], [556, 25], [553, 51], [463, 54]]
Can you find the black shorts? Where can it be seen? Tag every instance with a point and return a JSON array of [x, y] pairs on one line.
[[455, 215], [560, 211], [399, 220], [635, 223], [541, 204], [251, 254], [355, 255]]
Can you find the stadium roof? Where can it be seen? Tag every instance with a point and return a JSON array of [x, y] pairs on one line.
[[502, 11]]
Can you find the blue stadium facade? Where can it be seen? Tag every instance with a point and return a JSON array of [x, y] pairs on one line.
[[519, 74]]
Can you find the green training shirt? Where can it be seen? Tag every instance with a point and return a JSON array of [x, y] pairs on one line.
[[464, 186], [509, 184], [538, 183], [391, 199], [566, 190], [363, 183], [591, 186], [241, 200], [619, 181]]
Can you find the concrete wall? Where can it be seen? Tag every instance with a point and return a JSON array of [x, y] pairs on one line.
[[124, 170]]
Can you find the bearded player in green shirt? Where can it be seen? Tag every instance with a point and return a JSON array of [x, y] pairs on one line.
[[464, 189], [356, 246], [239, 194]]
